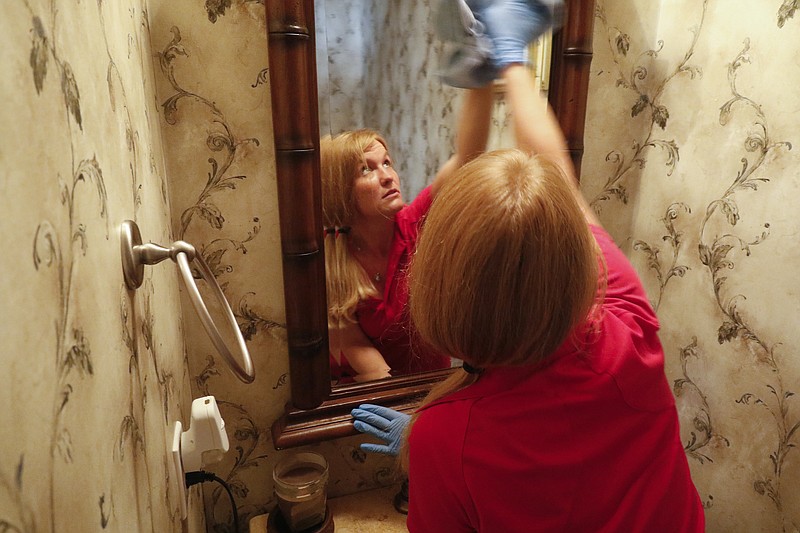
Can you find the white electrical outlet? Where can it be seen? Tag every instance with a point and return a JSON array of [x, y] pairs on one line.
[[176, 472], [205, 442]]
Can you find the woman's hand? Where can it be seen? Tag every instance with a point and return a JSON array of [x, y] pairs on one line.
[[386, 424]]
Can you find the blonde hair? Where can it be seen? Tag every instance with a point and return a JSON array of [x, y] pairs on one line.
[[347, 283], [506, 266]]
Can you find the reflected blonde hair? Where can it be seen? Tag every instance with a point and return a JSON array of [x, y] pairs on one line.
[[347, 283], [506, 266]]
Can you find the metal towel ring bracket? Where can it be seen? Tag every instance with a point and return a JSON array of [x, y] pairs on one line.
[[135, 255]]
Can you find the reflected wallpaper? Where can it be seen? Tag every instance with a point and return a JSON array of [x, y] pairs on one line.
[[378, 66]]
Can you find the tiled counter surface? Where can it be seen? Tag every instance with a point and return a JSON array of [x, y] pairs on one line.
[[370, 511]]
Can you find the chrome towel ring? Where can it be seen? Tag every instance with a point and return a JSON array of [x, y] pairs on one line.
[[135, 255]]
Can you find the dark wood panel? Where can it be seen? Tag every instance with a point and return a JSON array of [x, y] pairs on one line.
[[332, 419], [569, 74], [295, 124]]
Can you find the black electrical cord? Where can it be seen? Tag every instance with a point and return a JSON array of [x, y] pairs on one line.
[[201, 476]]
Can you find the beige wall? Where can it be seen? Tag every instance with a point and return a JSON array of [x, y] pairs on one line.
[[734, 384], [158, 112], [94, 374], [699, 187]]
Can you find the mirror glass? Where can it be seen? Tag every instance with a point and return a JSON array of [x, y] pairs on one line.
[[377, 67], [376, 64]]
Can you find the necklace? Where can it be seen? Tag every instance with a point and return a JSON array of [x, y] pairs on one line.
[[378, 276]]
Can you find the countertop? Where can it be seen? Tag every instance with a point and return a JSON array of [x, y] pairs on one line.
[[370, 511]]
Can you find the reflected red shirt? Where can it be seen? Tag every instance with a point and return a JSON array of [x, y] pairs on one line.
[[590, 442], [386, 321]]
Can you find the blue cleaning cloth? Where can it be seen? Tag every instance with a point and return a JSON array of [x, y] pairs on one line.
[[467, 59]]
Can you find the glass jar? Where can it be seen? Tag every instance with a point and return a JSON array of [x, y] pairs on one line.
[[301, 482]]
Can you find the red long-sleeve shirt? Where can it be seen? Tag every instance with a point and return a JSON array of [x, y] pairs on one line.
[[386, 321], [589, 443]]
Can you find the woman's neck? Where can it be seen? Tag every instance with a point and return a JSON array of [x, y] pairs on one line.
[[372, 237]]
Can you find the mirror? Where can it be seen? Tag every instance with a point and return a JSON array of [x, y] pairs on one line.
[[318, 412], [377, 67]]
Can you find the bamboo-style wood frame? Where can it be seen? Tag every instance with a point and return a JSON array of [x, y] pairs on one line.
[[316, 412]]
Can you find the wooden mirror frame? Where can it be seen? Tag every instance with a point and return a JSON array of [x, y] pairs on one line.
[[316, 411]]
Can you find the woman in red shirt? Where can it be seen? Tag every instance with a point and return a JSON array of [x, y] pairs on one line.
[[570, 423], [370, 232], [562, 418], [370, 237]]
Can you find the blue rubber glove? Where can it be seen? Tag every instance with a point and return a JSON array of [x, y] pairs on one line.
[[512, 25], [386, 424]]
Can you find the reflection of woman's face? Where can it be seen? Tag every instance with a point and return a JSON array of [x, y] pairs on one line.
[[377, 186]]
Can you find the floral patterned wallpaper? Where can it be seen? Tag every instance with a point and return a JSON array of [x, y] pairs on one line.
[[158, 111], [688, 161], [94, 374], [691, 161]]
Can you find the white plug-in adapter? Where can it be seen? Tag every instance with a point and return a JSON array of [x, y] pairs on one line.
[[205, 442]]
